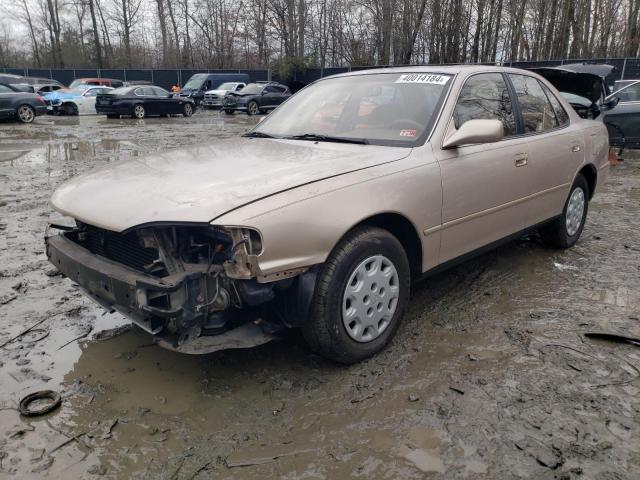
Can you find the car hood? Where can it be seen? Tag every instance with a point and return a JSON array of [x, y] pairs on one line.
[[60, 96], [583, 84], [216, 92], [201, 183]]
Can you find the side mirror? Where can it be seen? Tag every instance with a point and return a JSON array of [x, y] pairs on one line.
[[610, 103], [476, 131]]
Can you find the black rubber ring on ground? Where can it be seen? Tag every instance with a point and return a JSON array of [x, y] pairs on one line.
[[25, 410]]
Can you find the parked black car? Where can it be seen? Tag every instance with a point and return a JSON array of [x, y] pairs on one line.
[[22, 106], [142, 101], [256, 98], [623, 121]]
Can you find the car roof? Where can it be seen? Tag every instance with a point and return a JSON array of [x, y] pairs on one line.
[[449, 69]]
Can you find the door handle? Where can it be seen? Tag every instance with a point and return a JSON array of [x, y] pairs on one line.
[[575, 148], [521, 159]]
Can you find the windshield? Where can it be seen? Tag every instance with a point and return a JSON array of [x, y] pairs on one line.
[[79, 90], [383, 109], [252, 88], [195, 82], [77, 82], [227, 86]]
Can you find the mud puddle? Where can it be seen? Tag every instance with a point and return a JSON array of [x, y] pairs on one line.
[[490, 375]]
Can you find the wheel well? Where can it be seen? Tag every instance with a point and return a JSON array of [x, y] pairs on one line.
[[590, 174], [406, 234]]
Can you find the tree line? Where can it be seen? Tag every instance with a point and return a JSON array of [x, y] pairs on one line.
[[290, 35]]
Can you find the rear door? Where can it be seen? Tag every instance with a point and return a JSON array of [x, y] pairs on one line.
[[272, 96], [7, 95], [556, 148], [150, 101], [485, 185]]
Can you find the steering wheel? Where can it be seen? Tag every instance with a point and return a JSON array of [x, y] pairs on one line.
[[401, 123]]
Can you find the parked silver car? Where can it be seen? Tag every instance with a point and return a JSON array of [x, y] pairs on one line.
[[322, 216]]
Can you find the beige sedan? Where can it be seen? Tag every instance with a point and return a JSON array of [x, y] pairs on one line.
[[321, 217]]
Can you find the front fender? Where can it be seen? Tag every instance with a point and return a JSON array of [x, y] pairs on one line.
[[300, 227]]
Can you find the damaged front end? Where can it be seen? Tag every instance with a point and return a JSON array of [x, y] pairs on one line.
[[196, 288]]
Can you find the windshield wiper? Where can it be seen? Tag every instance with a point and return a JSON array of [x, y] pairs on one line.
[[327, 138], [258, 135]]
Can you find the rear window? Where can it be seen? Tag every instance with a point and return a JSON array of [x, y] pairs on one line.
[[121, 91]]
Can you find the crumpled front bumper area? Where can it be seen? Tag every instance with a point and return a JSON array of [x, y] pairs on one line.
[[148, 301]]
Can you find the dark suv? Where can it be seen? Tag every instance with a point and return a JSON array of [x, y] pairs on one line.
[[256, 98]]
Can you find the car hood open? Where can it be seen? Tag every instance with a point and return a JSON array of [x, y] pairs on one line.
[[583, 80], [199, 184]]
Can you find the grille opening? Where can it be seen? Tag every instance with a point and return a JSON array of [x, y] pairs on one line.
[[126, 249]]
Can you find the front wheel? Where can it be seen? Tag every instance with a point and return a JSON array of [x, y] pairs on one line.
[[228, 111], [70, 109], [565, 231], [139, 111], [25, 114], [360, 296], [253, 108], [188, 110]]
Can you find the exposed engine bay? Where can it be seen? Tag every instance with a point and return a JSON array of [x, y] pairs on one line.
[[184, 282]]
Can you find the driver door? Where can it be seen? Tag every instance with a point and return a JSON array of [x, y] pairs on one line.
[[484, 186]]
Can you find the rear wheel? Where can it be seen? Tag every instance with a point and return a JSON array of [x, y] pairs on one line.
[[25, 114], [360, 296], [565, 231], [139, 111], [188, 110], [253, 108]]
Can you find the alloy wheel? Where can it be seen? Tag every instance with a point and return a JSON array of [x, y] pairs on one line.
[[25, 114], [138, 111]]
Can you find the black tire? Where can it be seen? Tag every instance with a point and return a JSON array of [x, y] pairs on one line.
[[113, 116], [325, 331], [69, 109], [556, 233], [187, 110], [253, 108], [25, 114], [229, 112], [138, 111]]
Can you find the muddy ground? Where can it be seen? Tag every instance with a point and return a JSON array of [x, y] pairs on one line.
[[490, 375]]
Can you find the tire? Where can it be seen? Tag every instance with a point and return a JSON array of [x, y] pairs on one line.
[[25, 114], [229, 112], [253, 108], [564, 231], [113, 116], [139, 111], [187, 110], [345, 285], [70, 109]]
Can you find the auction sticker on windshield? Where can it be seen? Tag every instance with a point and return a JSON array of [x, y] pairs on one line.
[[428, 78]]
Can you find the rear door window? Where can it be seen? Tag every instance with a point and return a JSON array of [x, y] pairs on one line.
[[561, 113], [486, 97], [537, 113]]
